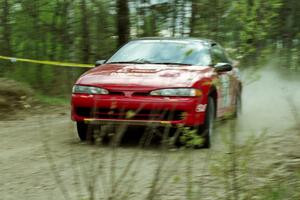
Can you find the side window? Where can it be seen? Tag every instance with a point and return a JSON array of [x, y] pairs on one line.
[[218, 55]]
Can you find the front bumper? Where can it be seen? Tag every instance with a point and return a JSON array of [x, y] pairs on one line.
[[137, 110]]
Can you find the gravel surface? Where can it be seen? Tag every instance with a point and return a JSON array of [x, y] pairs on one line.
[[42, 158]]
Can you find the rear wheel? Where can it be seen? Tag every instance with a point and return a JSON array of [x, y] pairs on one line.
[[238, 105]]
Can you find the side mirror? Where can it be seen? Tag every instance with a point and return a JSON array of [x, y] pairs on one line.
[[223, 67], [99, 62]]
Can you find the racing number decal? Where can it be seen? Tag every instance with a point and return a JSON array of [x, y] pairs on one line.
[[225, 88]]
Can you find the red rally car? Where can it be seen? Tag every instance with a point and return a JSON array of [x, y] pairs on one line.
[[188, 82]]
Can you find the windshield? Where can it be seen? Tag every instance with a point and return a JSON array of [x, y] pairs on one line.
[[163, 52]]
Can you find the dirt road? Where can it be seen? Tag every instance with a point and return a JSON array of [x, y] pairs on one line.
[[42, 158]]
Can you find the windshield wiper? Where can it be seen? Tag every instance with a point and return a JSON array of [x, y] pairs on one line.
[[137, 61], [143, 61], [170, 63]]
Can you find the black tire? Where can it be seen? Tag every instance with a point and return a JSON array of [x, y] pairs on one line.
[[207, 129], [238, 105], [104, 134], [84, 131]]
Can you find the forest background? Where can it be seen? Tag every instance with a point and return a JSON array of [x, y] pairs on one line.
[[83, 31]]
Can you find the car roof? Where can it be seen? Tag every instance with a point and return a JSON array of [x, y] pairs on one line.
[[188, 39]]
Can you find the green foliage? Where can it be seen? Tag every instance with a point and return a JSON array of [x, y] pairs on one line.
[[53, 30], [190, 137], [86, 30]]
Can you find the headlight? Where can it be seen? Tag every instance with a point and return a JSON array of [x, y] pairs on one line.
[[182, 92], [79, 89]]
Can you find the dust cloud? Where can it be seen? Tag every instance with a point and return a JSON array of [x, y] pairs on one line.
[[270, 100]]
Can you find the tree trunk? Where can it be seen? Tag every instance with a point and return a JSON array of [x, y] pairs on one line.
[[174, 17], [123, 22], [6, 33], [182, 6], [85, 34], [153, 21], [5, 41], [193, 18]]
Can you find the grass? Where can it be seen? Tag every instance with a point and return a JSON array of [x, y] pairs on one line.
[[50, 100]]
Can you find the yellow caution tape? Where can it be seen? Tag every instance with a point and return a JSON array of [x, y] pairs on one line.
[[46, 62]]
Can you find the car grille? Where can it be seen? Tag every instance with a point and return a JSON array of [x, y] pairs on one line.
[[122, 93], [143, 114], [117, 93]]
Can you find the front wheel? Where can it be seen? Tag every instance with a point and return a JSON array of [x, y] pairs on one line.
[[207, 129], [84, 131]]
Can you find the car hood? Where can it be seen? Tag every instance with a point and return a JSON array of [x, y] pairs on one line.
[[144, 75]]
